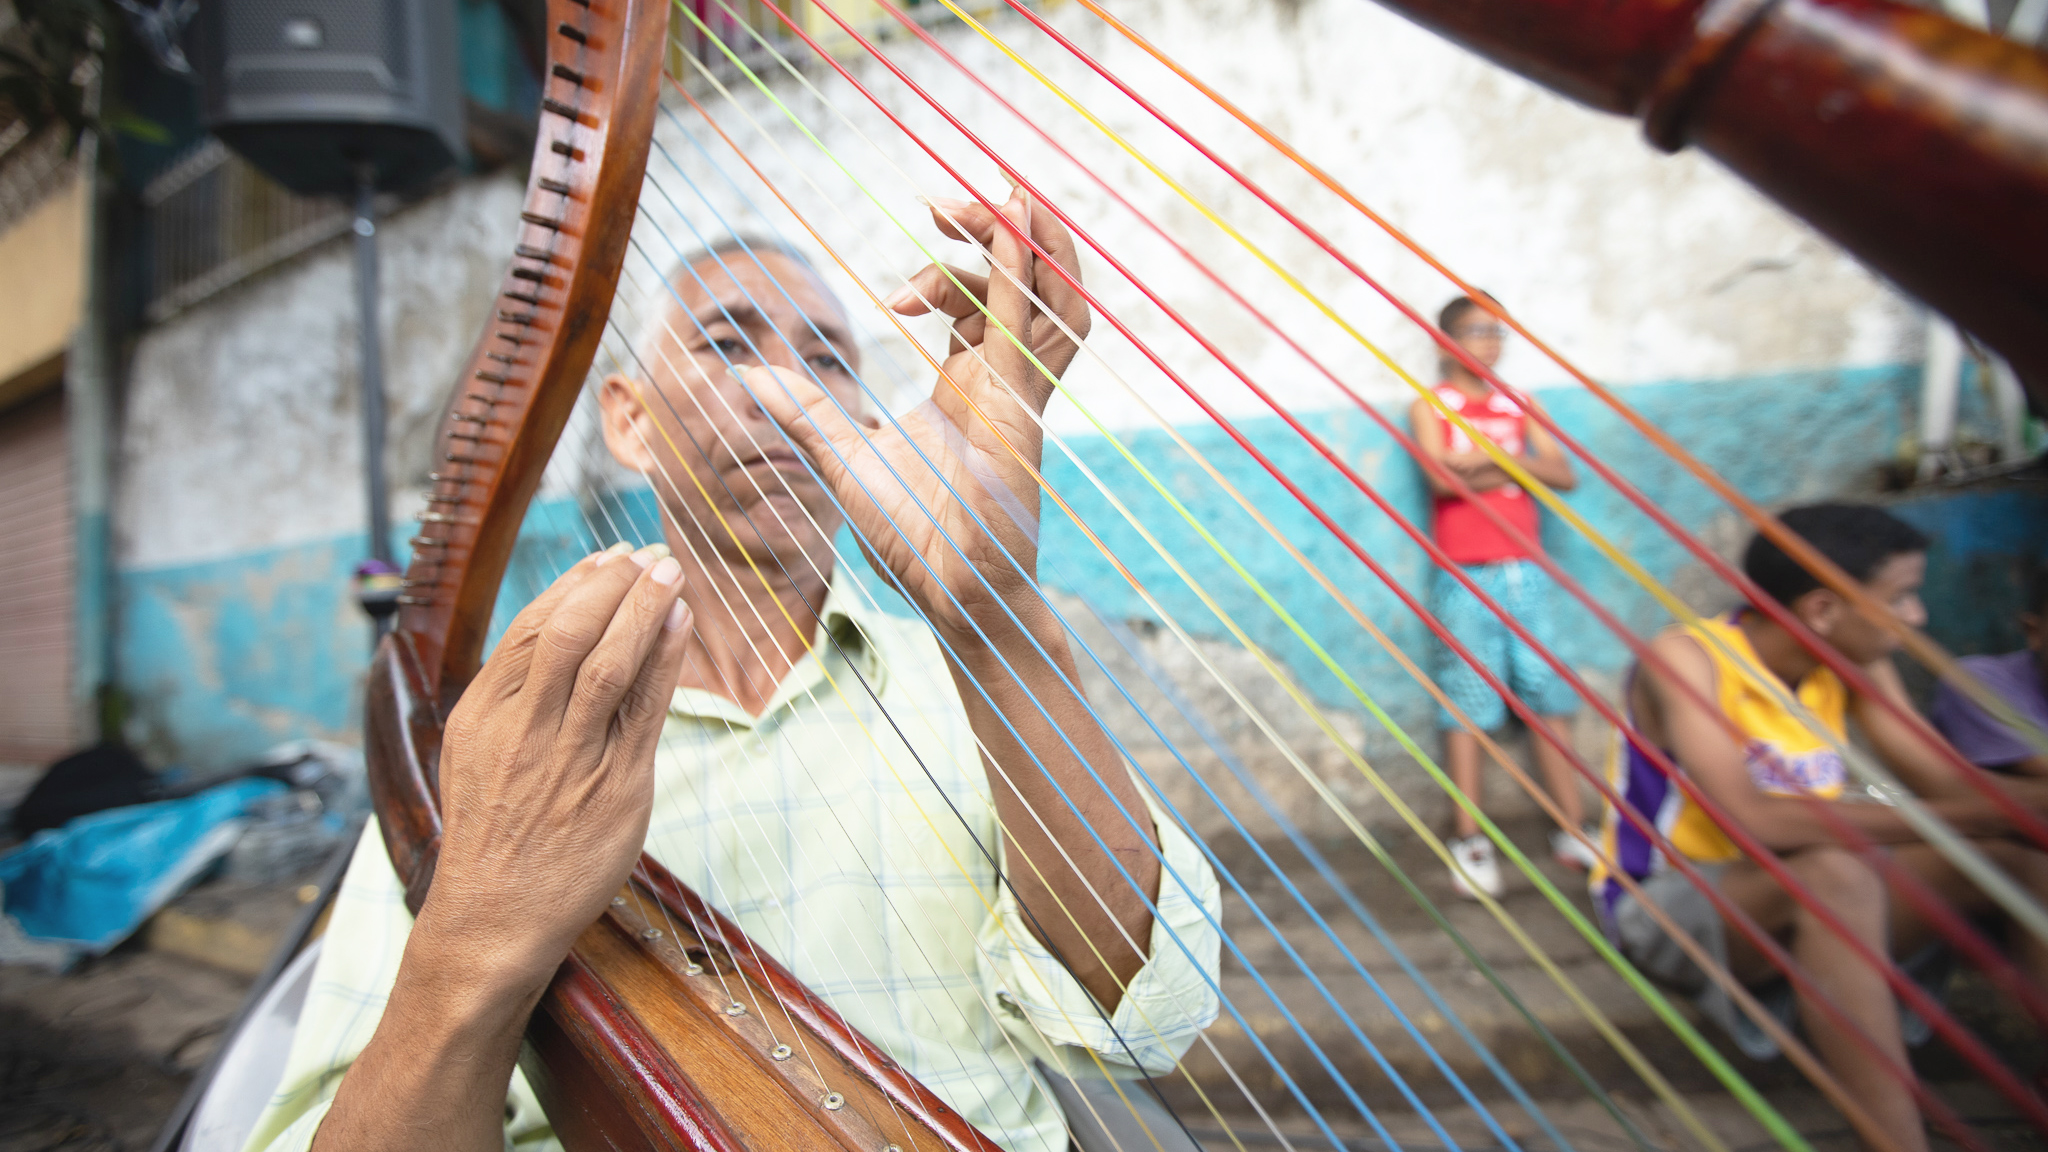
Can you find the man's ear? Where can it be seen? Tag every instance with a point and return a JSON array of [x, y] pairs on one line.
[[1820, 610], [628, 427]]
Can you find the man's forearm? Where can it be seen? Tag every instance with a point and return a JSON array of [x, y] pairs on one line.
[[434, 1075], [1086, 911], [1786, 823]]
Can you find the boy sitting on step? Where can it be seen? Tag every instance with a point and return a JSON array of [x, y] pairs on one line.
[[1757, 722]]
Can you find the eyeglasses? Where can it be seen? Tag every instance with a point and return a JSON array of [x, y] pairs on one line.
[[1480, 331]]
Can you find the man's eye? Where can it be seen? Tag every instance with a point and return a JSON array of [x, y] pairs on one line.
[[729, 347], [825, 363]]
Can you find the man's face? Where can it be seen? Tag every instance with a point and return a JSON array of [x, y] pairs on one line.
[[1894, 584], [692, 426], [1480, 335]]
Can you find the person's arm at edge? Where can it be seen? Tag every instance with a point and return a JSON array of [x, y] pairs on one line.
[[443, 1053], [1921, 765], [1713, 759]]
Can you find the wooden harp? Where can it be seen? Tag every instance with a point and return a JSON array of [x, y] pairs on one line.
[[638, 1042]]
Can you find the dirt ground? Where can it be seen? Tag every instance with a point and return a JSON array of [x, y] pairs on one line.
[[96, 1059]]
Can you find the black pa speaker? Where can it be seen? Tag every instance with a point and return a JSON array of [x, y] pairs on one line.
[[307, 90]]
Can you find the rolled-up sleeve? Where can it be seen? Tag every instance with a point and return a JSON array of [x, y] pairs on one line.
[[1164, 1007]]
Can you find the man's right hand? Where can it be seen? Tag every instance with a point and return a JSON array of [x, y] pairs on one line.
[[547, 778], [547, 769]]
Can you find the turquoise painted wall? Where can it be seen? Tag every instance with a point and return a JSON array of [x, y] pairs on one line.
[[223, 659]]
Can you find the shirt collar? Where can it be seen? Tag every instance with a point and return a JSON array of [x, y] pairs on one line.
[[849, 637]]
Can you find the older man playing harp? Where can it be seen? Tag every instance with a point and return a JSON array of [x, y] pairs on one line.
[[846, 784]]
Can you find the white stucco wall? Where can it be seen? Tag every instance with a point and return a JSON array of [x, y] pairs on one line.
[[241, 430]]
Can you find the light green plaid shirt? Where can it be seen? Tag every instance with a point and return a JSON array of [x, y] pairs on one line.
[[841, 834]]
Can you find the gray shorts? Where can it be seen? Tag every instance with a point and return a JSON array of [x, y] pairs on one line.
[[1658, 956]]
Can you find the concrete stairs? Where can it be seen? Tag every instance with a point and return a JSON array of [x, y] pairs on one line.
[[1272, 1044]]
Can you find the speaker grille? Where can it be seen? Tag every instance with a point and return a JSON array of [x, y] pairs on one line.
[[358, 78]]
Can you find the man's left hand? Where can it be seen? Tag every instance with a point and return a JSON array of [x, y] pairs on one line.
[[979, 430]]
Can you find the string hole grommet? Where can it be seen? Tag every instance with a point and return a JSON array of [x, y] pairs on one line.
[[833, 1101], [618, 901], [694, 969], [651, 934], [735, 1009], [892, 1148], [780, 1052]]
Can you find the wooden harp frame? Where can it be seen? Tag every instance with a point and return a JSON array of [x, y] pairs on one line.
[[637, 1043], [1918, 143]]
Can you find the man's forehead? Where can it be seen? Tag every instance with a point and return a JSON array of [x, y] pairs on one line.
[[729, 278], [1901, 569]]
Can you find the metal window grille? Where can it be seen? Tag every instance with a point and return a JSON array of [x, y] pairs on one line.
[[214, 220]]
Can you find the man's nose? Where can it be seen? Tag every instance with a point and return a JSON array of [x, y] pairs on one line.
[[1913, 612]]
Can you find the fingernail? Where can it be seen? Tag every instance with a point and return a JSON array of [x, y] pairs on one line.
[[676, 614], [613, 552], [950, 206], [900, 298], [650, 554], [666, 571]]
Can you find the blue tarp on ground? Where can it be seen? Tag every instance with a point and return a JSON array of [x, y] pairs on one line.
[[84, 887]]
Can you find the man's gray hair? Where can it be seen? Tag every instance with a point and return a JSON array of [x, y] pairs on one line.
[[735, 251]]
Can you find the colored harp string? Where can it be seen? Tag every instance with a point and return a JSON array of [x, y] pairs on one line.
[[621, 521]]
